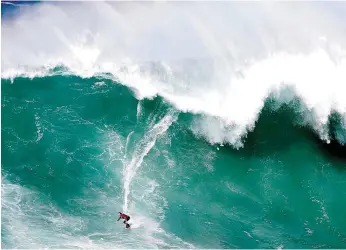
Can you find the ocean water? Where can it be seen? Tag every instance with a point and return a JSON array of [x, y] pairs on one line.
[[201, 149]]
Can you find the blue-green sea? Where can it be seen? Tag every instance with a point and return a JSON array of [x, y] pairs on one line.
[[70, 147], [113, 107]]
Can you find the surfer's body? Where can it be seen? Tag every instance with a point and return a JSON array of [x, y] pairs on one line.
[[126, 219]]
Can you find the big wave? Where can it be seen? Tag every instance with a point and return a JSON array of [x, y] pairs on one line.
[[219, 60]]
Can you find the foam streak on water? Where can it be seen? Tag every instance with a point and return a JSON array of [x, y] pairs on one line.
[[127, 143], [141, 150]]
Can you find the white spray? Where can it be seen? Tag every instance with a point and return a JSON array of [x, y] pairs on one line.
[[141, 150], [219, 59]]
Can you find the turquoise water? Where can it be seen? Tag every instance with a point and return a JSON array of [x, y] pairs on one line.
[[206, 122], [75, 151]]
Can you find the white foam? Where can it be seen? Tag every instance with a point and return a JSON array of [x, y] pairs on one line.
[[99, 84], [139, 111], [127, 143], [39, 133], [142, 149], [315, 78], [220, 60], [30, 223]]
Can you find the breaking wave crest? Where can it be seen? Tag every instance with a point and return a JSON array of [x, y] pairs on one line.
[[210, 69]]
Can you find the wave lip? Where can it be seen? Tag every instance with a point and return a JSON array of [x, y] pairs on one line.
[[230, 106]]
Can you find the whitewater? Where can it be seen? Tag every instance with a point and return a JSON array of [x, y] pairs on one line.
[[230, 78], [163, 109]]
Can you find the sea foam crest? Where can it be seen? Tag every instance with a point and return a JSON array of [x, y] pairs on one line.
[[218, 60]]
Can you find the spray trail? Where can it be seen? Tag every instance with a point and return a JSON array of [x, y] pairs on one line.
[[139, 110], [127, 143], [142, 149]]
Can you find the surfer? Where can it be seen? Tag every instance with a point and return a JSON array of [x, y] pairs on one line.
[[125, 217]]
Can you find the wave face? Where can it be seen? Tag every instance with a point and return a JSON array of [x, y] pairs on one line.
[[76, 151], [206, 122]]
